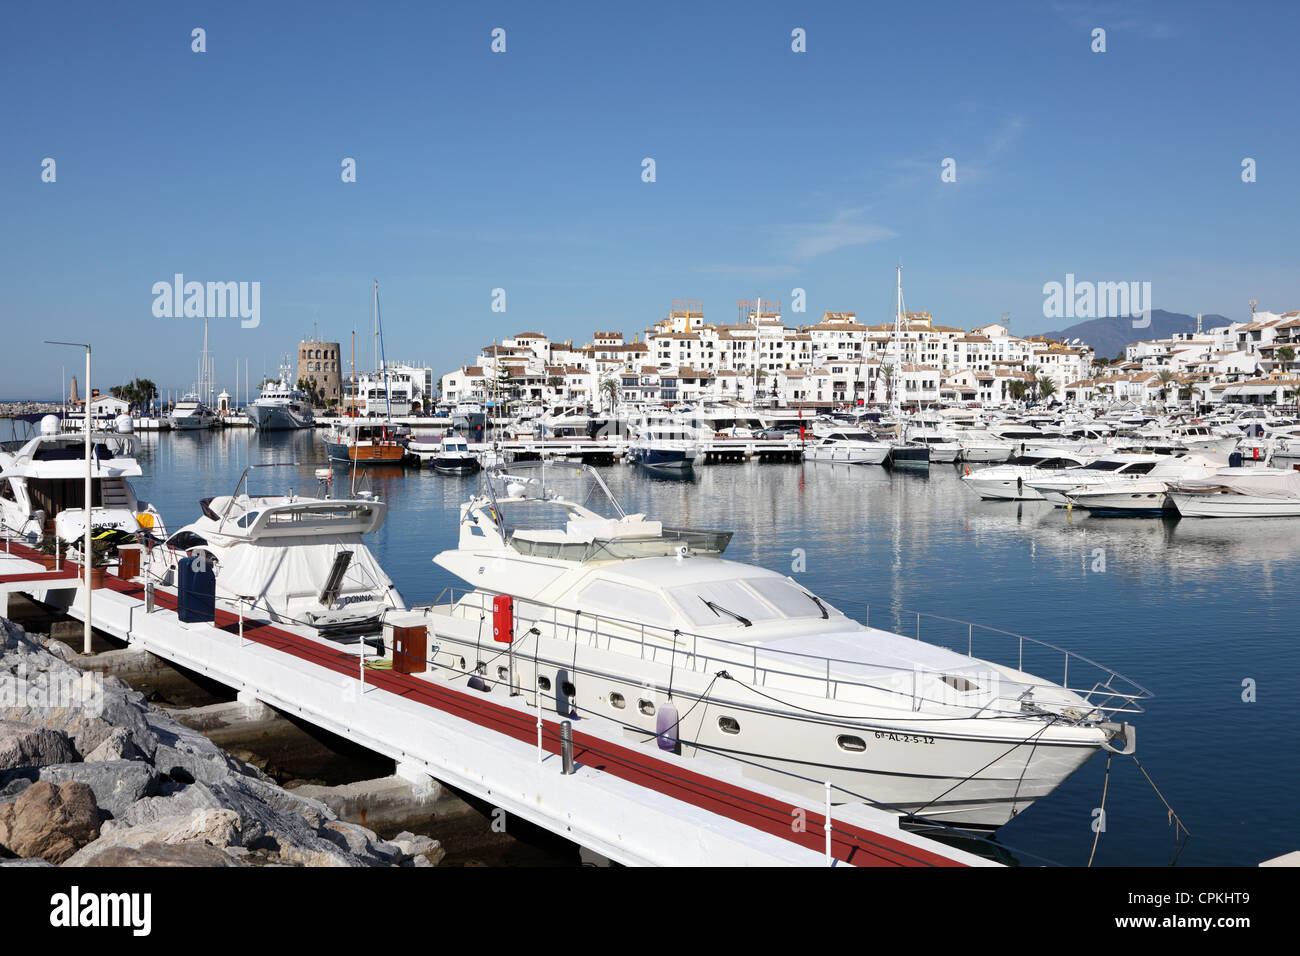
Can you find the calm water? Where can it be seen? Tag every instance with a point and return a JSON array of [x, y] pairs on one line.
[[1190, 609]]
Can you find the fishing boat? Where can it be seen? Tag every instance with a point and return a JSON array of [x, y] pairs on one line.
[[42, 484], [361, 441], [618, 617]]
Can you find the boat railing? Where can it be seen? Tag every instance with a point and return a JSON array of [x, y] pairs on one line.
[[1106, 693]]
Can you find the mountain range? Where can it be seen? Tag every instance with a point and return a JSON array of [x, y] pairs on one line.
[[1109, 336]]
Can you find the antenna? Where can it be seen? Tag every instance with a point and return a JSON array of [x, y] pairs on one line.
[[1252, 306]]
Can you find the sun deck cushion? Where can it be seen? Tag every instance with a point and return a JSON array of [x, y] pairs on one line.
[[605, 529]]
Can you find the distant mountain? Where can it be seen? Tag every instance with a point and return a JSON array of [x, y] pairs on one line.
[[1108, 337]]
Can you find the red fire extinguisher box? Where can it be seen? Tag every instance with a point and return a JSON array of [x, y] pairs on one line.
[[503, 619]]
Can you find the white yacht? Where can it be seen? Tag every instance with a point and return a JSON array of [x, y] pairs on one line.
[[289, 558], [845, 445], [1011, 481], [42, 483], [450, 455], [280, 406], [618, 618], [190, 414], [1142, 495], [1111, 469]]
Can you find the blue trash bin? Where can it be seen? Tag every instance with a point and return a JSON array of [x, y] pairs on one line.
[[196, 586]]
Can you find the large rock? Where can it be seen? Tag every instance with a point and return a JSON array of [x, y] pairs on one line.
[[120, 745], [160, 854], [179, 801], [418, 847], [116, 783], [49, 821], [22, 745], [216, 828]]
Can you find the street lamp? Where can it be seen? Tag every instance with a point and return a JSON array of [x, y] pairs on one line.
[[85, 545]]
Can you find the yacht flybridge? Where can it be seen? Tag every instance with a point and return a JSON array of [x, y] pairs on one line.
[[42, 483], [617, 617]]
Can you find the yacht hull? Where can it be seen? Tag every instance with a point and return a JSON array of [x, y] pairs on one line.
[[268, 418], [1234, 506]]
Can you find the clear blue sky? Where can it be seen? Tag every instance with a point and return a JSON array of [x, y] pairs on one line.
[[522, 170]]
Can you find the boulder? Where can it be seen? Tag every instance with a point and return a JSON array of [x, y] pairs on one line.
[[419, 847], [119, 745], [161, 854], [22, 745], [182, 801], [216, 828], [50, 821], [116, 783]]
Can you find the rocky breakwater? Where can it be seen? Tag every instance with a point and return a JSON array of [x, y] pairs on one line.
[[91, 775]]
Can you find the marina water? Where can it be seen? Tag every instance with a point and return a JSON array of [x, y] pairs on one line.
[[1201, 612]]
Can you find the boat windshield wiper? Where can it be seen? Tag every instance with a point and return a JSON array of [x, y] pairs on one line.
[[820, 606], [715, 608]]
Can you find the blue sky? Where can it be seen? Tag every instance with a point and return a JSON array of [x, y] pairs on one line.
[[522, 170]]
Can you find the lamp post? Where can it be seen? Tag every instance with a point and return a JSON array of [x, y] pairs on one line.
[[85, 544]]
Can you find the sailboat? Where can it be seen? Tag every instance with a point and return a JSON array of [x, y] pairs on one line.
[[361, 441]]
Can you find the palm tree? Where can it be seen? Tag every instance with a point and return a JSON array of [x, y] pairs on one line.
[[609, 388], [1285, 355], [1045, 387], [1017, 389], [1165, 376]]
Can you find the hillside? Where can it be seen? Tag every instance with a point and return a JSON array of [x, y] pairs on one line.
[[1109, 336]]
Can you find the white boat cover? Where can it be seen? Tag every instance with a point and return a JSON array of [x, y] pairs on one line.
[[287, 571], [1258, 482]]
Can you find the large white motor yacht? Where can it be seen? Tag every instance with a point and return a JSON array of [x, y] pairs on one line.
[[280, 407], [1011, 481], [619, 618], [43, 481], [190, 414], [1117, 468]]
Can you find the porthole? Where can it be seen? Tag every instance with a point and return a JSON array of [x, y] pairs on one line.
[[503, 673], [617, 700], [850, 743], [646, 707], [462, 663], [544, 683], [728, 725], [567, 689]]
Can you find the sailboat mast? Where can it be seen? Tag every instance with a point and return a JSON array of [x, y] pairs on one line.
[[898, 346]]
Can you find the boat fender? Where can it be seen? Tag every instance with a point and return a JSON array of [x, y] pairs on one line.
[[968, 469], [666, 727]]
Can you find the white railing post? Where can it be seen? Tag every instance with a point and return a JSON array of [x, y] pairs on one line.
[[830, 858]]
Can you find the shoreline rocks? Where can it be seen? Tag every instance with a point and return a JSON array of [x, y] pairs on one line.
[[106, 780]]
